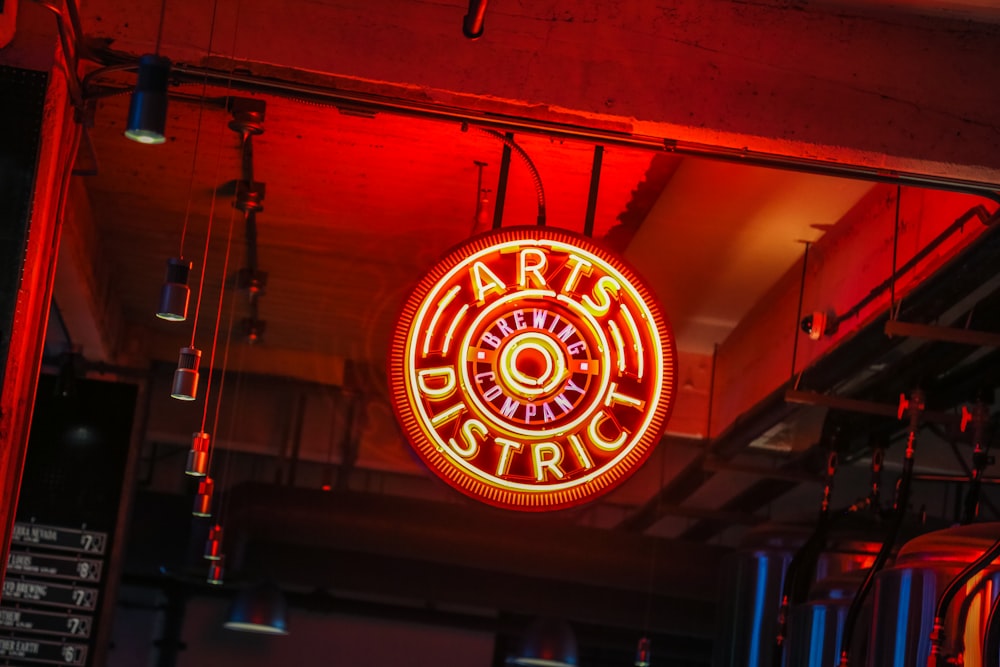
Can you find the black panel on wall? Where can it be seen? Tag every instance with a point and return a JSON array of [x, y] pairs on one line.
[[79, 443], [60, 562], [22, 102]]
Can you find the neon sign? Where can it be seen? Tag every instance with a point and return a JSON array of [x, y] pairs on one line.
[[532, 370]]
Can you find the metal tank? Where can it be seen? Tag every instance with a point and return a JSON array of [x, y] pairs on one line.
[[815, 627], [753, 576], [906, 598]]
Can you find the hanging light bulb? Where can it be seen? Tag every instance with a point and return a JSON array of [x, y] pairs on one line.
[[197, 463], [203, 499], [261, 608], [549, 642], [215, 571], [147, 111], [642, 653], [175, 293], [185, 387], [213, 545]]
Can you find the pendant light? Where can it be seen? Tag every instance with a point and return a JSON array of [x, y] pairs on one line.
[[548, 642], [216, 572], [642, 653], [203, 499], [147, 110], [185, 385], [261, 608], [175, 293], [213, 545], [197, 462]]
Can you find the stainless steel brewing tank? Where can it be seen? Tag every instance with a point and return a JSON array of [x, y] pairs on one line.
[[906, 597], [753, 576], [815, 627]]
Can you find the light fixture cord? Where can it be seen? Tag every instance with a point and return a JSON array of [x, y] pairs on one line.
[[197, 131], [895, 248], [222, 380], [208, 242], [798, 312], [222, 498], [652, 558], [159, 30], [215, 191], [218, 321]]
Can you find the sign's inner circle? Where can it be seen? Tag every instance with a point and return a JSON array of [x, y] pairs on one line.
[[534, 367]]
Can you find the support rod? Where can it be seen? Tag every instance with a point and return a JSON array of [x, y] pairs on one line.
[[864, 407], [502, 183], [595, 183], [943, 334], [472, 24], [714, 465]]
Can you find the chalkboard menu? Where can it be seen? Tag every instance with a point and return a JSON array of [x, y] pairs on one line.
[[60, 554]]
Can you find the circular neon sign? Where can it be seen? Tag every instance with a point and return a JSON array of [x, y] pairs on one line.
[[532, 369]]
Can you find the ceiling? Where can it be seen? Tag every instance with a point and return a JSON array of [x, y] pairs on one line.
[[363, 196]]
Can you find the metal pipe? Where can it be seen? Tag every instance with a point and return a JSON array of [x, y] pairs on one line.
[[472, 24], [802, 567], [980, 459], [991, 638], [953, 479], [798, 311], [915, 409], [981, 212], [324, 94], [935, 658]]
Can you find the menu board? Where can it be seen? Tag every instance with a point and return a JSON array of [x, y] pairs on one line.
[[58, 567]]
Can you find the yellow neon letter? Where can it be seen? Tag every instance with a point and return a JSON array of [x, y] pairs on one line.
[[447, 415], [485, 281], [579, 266], [581, 452], [469, 430], [546, 457], [535, 269], [594, 431], [503, 465], [614, 397], [443, 379], [605, 290]]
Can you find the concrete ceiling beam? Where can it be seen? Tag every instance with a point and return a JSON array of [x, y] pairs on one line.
[[84, 288], [903, 93]]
